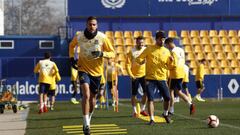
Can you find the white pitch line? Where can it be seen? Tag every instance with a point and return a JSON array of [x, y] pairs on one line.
[[192, 118]]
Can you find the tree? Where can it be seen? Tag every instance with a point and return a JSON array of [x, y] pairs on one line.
[[32, 17]]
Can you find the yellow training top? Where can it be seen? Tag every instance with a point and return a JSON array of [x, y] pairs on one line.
[[179, 61], [112, 72], [74, 74], [200, 73], [103, 80], [158, 62], [135, 69], [86, 62], [186, 73], [57, 78], [46, 69]]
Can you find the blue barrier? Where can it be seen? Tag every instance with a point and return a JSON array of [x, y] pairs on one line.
[[28, 89]]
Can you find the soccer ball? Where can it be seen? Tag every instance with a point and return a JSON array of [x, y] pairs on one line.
[[212, 121]]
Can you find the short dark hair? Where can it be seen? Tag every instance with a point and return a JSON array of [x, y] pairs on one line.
[[160, 34], [47, 55], [139, 38], [91, 18], [202, 60], [169, 40]]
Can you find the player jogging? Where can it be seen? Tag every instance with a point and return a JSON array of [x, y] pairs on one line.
[[94, 46], [199, 78], [47, 69], [176, 75]]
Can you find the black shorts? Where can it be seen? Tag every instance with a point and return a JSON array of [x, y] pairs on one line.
[[44, 88], [102, 86], [93, 81], [136, 84], [185, 85], [110, 84], [176, 84], [199, 84], [51, 93]]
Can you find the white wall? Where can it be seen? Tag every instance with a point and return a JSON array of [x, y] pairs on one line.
[[1, 17]]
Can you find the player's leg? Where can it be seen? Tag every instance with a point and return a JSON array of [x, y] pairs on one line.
[[110, 87], [92, 104], [144, 97], [116, 95], [52, 100], [133, 98], [43, 96], [74, 87], [185, 88], [85, 82], [41, 104], [184, 96], [162, 86], [151, 86], [94, 89], [100, 97], [171, 87], [171, 108], [200, 89]]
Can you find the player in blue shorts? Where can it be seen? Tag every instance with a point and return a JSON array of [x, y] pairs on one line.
[[158, 60], [94, 46]]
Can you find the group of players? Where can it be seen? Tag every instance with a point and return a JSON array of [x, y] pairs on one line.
[[154, 67]]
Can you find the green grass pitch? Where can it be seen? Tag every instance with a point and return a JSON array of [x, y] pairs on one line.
[[67, 114]]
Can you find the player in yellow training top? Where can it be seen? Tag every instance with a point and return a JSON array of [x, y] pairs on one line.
[[52, 90], [158, 60], [74, 76], [112, 81], [47, 69], [199, 78], [94, 46], [186, 81], [137, 73], [176, 75], [101, 102]]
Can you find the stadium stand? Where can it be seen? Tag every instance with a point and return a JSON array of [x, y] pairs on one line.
[[221, 48]]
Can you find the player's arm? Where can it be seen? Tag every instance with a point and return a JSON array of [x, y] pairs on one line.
[[119, 67], [141, 58], [55, 69], [201, 72], [128, 65], [37, 68], [108, 50], [72, 45], [171, 60], [58, 77]]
